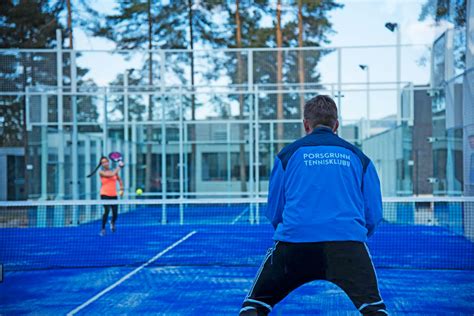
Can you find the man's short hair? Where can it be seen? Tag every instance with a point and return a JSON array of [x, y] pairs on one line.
[[321, 110]]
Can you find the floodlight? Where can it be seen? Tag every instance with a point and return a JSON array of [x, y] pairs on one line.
[[391, 26]]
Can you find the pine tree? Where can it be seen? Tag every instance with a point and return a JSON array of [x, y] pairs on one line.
[[243, 19], [439, 10], [454, 12], [154, 25], [23, 24]]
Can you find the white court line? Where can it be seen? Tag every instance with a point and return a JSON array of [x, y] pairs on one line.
[[96, 297], [240, 215]]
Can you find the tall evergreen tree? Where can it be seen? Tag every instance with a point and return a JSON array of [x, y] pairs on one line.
[[439, 10], [243, 29], [311, 30], [454, 12], [300, 24], [23, 24], [154, 25], [307, 24]]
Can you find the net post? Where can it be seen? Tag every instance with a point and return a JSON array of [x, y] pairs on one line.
[[163, 214], [58, 216], [468, 220], [97, 211], [41, 216], [87, 214], [181, 213]]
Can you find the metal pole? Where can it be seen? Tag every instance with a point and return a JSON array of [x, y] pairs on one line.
[[126, 134], [133, 164], [181, 160], [181, 149], [272, 140], [29, 128], [44, 146], [74, 152], [75, 141], [251, 144], [257, 157], [105, 127], [88, 187], [412, 104], [250, 70], [97, 154], [185, 127], [163, 141], [163, 164], [62, 142], [368, 102], [88, 165], [339, 92], [399, 70], [251, 160], [229, 163]]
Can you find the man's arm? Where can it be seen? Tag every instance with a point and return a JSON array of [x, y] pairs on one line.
[[372, 199], [276, 194]]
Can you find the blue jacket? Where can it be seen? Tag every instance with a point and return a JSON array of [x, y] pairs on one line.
[[323, 188]]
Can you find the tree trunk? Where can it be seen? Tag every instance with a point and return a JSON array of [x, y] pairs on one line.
[[192, 131], [279, 38], [301, 60], [149, 130], [69, 23], [238, 36]]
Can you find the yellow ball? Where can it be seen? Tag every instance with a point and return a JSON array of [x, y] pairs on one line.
[[139, 191]]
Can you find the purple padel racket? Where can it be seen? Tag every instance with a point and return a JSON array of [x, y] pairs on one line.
[[115, 156]]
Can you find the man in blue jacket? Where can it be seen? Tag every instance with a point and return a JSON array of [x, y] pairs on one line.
[[324, 201]]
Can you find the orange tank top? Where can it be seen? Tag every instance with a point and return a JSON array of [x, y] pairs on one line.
[[109, 186]]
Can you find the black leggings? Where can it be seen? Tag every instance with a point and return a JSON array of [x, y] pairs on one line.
[[107, 210]]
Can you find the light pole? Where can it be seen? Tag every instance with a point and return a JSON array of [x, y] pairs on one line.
[[395, 27], [367, 72]]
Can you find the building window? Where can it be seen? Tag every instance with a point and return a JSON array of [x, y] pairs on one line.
[[215, 166]]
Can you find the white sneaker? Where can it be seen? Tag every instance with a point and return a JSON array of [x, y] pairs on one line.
[[102, 232]]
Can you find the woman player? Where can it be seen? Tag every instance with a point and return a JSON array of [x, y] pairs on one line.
[[108, 191]]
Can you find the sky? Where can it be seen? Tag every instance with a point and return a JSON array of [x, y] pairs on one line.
[[359, 23]]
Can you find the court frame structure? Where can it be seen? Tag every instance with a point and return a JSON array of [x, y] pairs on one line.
[[59, 129], [56, 97]]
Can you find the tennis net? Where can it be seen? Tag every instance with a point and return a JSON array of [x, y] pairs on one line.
[[417, 233]]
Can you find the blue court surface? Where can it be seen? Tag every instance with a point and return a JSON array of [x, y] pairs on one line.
[[206, 266]]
